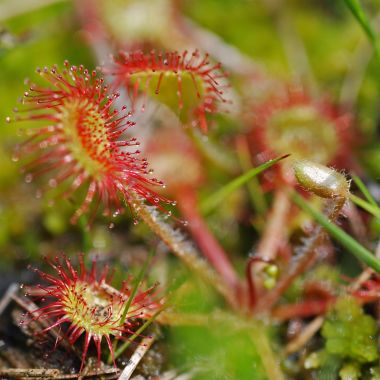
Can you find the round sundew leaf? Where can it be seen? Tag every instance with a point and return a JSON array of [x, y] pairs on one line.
[[303, 132], [81, 144], [82, 303], [163, 87], [186, 83], [293, 122]]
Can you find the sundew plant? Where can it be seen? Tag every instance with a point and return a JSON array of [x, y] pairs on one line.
[[189, 189]]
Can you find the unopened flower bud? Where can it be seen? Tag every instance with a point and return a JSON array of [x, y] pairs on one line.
[[321, 180]]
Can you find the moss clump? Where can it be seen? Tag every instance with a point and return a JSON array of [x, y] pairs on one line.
[[350, 371], [349, 333]]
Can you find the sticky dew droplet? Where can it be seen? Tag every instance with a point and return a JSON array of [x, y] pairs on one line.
[[28, 178], [52, 182]]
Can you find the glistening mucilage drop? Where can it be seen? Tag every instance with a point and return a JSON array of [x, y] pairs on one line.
[[81, 145], [183, 249]]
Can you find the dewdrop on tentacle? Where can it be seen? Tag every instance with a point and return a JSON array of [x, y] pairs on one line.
[[188, 83], [81, 143], [321, 180], [82, 303]]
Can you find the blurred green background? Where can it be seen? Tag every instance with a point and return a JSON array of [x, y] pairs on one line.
[[315, 41], [318, 42]]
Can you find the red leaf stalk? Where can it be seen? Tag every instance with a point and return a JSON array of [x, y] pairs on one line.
[[187, 203]]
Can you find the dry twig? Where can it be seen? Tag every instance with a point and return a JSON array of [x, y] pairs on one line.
[[135, 359]]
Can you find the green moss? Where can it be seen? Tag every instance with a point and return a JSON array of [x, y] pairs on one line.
[[350, 371], [350, 333]]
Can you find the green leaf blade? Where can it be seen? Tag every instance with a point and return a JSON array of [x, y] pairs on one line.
[[211, 202], [358, 12], [360, 252]]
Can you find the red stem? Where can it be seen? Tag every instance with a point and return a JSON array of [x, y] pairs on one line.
[[249, 273], [302, 309], [187, 203], [310, 308], [274, 232]]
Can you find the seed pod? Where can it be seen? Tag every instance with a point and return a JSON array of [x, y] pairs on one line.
[[321, 180]]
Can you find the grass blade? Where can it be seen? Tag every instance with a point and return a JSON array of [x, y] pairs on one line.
[[255, 191], [374, 210], [126, 344], [136, 285], [212, 201], [362, 253], [83, 223], [362, 187], [369, 204], [358, 12]]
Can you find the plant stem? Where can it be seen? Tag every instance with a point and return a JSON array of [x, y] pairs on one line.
[[209, 246], [306, 257], [270, 363], [86, 236], [135, 287], [250, 274], [273, 234], [269, 244], [312, 327], [362, 253], [305, 309], [179, 246], [255, 191], [306, 334]]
